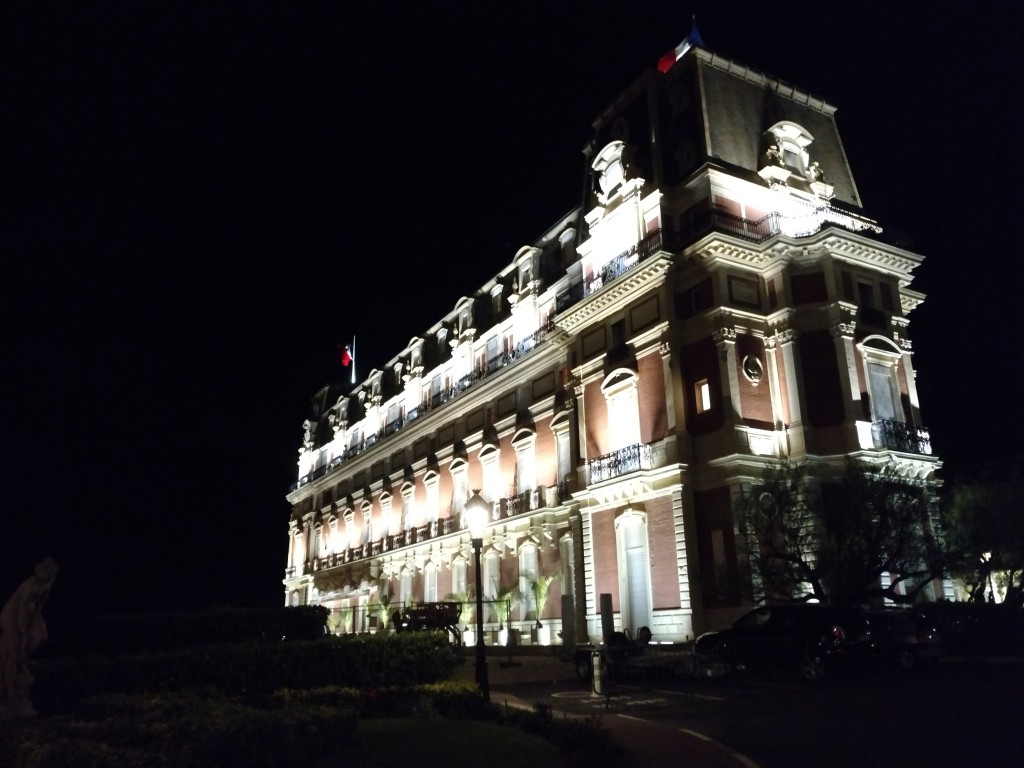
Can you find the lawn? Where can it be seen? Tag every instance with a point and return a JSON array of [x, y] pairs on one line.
[[391, 743]]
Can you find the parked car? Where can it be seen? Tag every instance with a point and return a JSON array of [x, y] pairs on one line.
[[810, 637], [904, 637]]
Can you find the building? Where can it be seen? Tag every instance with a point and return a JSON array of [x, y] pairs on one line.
[[717, 301]]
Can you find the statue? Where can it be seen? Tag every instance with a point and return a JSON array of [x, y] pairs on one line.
[[22, 631]]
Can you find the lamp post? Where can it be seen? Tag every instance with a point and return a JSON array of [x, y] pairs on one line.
[[477, 511]]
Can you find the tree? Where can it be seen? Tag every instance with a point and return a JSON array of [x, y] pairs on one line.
[[985, 530], [780, 534], [836, 545]]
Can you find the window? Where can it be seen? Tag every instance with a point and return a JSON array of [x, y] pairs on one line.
[[360, 623], [563, 449], [405, 587], [460, 582], [408, 509], [618, 333], [620, 392], [702, 394], [880, 389], [491, 583], [881, 361], [568, 574], [788, 144], [459, 488], [528, 574], [634, 571], [431, 481], [386, 526], [491, 476], [367, 511], [525, 444], [430, 583]]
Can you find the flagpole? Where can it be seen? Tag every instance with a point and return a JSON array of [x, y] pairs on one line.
[[353, 356]]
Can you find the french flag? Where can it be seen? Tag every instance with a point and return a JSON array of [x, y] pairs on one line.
[[693, 39]]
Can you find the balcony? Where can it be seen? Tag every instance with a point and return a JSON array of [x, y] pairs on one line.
[[615, 268], [896, 436], [517, 504], [803, 224], [435, 400], [629, 459]]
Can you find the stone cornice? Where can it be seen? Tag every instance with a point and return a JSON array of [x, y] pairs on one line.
[[644, 276]]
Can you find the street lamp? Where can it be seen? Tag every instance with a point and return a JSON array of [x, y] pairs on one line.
[[477, 510]]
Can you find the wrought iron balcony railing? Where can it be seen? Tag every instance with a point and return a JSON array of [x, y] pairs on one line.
[[617, 463], [896, 436], [511, 506], [524, 347], [618, 266]]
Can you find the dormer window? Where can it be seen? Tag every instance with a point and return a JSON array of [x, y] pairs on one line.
[[612, 167], [785, 154]]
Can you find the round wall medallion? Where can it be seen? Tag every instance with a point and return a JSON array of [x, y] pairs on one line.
[[752, 369]]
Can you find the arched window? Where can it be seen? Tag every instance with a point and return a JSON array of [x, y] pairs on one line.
[[491, 584], [460, 579], [405, 587], [430, 583], [460, 492], [431, 482], [620, 392], [525, 445], [566, 553], [408, 506], [386, 526], [881, 363], [492, 490], [634, 570], [528, 573]]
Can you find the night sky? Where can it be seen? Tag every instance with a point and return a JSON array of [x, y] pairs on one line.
[[204, 199]]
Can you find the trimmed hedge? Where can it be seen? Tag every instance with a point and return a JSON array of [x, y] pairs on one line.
[[191, 729], [356, 661], [116, 634]]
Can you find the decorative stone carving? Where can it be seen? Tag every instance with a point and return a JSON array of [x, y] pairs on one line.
[[22, 631]]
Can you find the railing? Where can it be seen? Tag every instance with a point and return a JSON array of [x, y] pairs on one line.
[[520, 350], [621, 462], [896, 436], [618, 266], [511, 506]]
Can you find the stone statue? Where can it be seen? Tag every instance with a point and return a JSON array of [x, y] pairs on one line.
[[22, 631]]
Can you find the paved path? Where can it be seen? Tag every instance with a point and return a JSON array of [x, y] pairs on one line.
[[655, 744]]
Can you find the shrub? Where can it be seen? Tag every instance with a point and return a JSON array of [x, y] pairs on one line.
[[186, 729], [365, 661]]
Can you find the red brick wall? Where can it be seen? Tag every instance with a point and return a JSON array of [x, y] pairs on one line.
[[661, 542], [596, 420], [606, 574], [712, 508], [809, 288], [822, 385], [652, 400], [755, 400], [700, 361]]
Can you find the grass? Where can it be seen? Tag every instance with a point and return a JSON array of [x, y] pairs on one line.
[[389, 743]]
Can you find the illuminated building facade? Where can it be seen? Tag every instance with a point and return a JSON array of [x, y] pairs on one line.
[[718, 301]]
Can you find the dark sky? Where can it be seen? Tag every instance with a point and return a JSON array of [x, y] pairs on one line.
[[204, 199]]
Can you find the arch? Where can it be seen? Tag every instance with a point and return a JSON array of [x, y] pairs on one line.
[[881, 344], [618, 378]]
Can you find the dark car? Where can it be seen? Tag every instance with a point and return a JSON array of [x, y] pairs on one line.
[[810, 637], [905, 638]]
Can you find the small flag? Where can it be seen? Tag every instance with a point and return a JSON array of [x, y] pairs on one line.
[[693, 39], [345, 355]]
